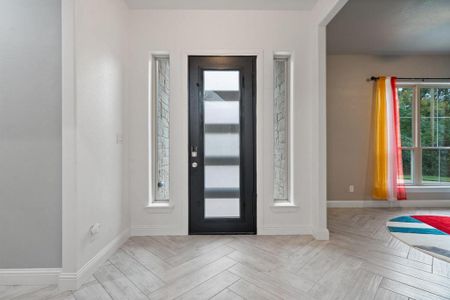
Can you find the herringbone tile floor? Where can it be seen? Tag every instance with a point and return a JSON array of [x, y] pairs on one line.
[[361, 261]]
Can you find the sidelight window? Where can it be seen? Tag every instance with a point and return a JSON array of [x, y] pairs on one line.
[[281, 118], [160, 121]]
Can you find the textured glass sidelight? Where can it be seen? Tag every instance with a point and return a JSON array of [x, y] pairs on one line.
[[221, 99], [280, 130], [162, 88]]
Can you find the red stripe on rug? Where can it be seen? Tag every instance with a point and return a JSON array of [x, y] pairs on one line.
[[439, 222]]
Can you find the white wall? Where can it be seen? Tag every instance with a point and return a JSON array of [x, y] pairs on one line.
[[30, 134], [97, 181], [100, 49], [218, 32]]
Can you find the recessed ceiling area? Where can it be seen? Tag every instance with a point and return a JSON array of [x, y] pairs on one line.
[[223, 4], [391, 27]]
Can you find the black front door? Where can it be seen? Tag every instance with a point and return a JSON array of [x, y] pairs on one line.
[[222, 143]]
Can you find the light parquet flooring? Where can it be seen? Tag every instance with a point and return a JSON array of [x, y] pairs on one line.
[[361, 261]]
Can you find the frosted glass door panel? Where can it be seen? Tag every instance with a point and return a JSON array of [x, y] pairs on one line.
[[221, 108], [222, 177], [217, 144], [220, 208], [221, 80], [224, 112]]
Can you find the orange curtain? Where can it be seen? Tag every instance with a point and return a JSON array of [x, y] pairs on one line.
[[388, 170], [380, 142]]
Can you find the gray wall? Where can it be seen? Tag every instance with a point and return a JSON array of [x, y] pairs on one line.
[[30, 133], [349, 100]]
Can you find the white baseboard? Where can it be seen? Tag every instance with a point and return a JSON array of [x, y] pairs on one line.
[[265, 230], [321, 234], [155, 230], [38, 276], [72, 281], [381, 203], [284, 230], [66, 281]]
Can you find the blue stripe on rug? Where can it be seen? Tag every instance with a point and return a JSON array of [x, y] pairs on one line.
[[405, 219], [416, 230]]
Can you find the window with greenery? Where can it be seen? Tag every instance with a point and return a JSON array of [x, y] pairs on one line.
[[425, 133]]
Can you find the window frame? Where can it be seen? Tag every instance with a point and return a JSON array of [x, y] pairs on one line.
[[153, 131], [416, 148], [288, 59]]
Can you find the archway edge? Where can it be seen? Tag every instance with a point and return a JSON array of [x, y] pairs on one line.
[[323, 12]]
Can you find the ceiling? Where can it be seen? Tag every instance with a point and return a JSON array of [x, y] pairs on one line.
[[223, 4], [391, 27]]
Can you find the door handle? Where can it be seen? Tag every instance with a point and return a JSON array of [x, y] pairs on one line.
[[194, 151]]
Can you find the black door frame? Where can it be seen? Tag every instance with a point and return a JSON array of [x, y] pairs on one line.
[[246, 224]]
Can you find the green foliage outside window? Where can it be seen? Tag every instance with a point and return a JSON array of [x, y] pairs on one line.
[[406, 96]]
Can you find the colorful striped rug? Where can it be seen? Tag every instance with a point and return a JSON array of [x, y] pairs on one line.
[[427, 233]]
